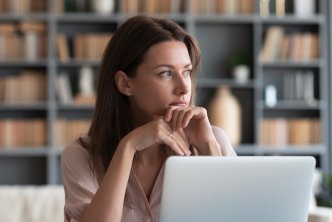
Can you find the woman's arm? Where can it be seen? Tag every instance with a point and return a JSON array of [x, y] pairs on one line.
[[107, 203], [225, 145]]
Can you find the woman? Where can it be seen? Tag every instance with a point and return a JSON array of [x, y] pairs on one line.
[[144, 113]]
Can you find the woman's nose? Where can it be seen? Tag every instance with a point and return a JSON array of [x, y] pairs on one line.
[[182, 85]]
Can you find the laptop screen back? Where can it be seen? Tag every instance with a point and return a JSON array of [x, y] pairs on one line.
[[253, 189]]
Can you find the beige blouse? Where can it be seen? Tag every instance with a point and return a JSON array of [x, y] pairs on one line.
[[80, 185]]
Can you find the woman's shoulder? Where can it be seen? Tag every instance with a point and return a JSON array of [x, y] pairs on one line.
[[76, 163], [224, 142], [75, 153], [217, 131], [74, 148]]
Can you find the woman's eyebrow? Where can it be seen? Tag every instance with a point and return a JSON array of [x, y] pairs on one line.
[[188, 65], [163, 65], [170, 66]]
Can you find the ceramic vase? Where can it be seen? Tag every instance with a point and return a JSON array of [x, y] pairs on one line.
[[241, 73], [225, 112], [304, 8], [102, 6]]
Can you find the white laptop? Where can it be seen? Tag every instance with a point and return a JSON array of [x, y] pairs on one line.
[[237, 189]]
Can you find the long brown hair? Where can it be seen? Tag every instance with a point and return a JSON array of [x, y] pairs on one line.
[[112, 118]]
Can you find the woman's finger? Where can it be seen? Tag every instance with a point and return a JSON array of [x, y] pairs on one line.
[[174, 118], [197, 112], [186, 119], [169, 113], [166, 136], [182, 143], [170, 142], [180, 117]]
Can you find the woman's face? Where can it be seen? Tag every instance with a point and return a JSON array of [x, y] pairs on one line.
[[162, 80]]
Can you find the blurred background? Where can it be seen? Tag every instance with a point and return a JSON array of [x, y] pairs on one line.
[[265, 78]]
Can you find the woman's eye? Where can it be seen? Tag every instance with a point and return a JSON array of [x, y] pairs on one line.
[[187, 73], [165, 74]]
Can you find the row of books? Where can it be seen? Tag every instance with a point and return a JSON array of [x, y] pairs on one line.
[[129, 6], [69, 130], [279, 6], [280, 45], [197, 6], [153, 6], [282, 132], [26, 87], [165, 6], [85, 46], [33, 132], [26, 40], [85, 95], [299, 86], [31, 86], [23, 6], [22, 133], [228, 7]]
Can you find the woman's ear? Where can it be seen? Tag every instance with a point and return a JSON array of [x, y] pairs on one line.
[[122, 83]]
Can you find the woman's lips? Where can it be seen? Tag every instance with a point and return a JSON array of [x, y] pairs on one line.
[[179, 104]]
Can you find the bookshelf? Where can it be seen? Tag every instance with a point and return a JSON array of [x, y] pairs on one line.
[[220, 36]]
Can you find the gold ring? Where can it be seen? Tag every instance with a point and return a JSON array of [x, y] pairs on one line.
[[170, 135]]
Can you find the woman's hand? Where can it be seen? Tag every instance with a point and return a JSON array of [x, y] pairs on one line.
[[158, 132], [196, 126]]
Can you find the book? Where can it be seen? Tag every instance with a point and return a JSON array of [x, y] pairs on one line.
[[23, 133], [90, 45], [164, 6], [284, 53], [219, 6], [68, 130], [280, 8], [309, 87], [151, 6], [62, 47], [231, 7], [246, 7], [3, 47], [33, 86], [26, 87], [306, 47], [59, 6], [177, 6], [130, 6], [300, 131], [315, 52], [271, 49], [64, 90], [5, 6], [14, 47], [2, 89], [40, 5], [32, 26], [7, 28], [31, 42], [282, 132]]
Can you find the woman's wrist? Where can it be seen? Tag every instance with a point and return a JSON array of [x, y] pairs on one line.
[[211, 148], [126, 146]]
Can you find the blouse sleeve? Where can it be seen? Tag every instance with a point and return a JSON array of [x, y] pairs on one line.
[[79, 181], [225, 145]]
